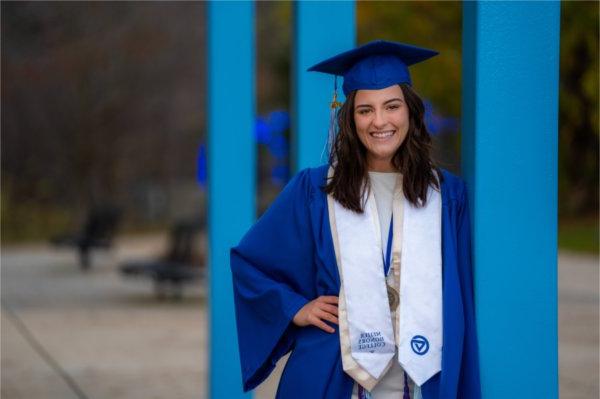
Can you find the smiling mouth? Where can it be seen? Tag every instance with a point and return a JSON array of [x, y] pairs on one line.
[[384, 134]]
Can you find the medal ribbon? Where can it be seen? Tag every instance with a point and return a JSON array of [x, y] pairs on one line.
[[388, 250], [364, 394]]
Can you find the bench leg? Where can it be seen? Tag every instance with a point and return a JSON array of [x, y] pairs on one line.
[[84, 258]]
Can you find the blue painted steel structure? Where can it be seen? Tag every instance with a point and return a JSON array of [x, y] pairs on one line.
[[510, 114], [322, 28], [231, 176], [510, 149]]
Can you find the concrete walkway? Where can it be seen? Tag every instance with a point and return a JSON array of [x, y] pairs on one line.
[[68, 334], [578, 325]]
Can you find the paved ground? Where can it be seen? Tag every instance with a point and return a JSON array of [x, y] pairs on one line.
[[578, 326], [67, 334]]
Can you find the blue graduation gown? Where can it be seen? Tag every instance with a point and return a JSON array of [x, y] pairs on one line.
[[287, 259]]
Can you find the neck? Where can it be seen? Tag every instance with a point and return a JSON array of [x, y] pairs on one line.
[[380, 165]]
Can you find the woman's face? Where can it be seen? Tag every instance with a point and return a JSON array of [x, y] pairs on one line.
[[381, 118]]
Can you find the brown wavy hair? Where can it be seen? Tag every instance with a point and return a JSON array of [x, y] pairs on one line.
[[348, 157]]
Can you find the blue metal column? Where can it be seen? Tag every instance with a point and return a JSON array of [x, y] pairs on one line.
[[231, 177], [510, 152], [322, 29]]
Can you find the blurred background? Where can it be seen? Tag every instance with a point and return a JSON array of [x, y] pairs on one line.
[[103, 175]]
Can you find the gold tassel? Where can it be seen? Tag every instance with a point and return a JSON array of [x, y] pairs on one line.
[[335, 104]]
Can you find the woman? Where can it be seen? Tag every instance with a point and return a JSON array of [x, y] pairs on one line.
[[361, 268]]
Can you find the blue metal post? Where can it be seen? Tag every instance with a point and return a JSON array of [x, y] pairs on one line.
[[322, 29], [510, 152], [231, 177]]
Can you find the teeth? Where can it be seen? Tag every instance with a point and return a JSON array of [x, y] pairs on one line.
[[381, 135]]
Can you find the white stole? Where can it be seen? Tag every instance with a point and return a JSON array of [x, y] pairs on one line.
[[366, 332]]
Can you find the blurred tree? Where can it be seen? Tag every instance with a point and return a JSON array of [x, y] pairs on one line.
[[273, 86], [104, 100], [579, 137], [101, 102], [431, 24], [438, 25], [273, 47]]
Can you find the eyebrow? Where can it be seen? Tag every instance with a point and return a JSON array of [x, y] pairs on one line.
[[388, 101]]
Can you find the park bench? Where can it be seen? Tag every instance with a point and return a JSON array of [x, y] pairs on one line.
[[181, 265], [98, 231]]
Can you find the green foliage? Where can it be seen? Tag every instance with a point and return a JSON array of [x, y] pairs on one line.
[[432, 24], [579, 235], [438, 25], [273, 30], [30, 220], [578, 112]]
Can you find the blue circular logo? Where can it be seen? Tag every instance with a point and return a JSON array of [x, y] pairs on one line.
[[419, 344]]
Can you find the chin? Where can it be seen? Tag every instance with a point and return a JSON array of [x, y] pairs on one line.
[[386, 153]]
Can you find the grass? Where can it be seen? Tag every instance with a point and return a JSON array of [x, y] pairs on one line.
[[580, 235], [25, 223]]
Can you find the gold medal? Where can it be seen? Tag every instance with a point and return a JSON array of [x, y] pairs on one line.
[[393, 297]]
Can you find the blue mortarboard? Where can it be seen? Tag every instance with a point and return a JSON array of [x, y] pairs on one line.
[[375, 65]]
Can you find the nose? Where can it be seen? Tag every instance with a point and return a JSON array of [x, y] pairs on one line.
[[379, 119]]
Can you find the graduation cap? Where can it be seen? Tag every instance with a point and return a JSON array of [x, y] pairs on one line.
[[375, 65]]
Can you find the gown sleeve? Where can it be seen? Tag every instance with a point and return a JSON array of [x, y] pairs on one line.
[[273, 278], [469, 383]]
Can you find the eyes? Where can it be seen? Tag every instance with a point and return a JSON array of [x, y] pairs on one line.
[[367, 109]]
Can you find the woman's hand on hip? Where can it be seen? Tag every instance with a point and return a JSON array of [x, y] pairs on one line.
[[317, 311]]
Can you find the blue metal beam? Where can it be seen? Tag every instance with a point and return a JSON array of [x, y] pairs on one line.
[[322, 29], [231, 177], [510, 152]]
